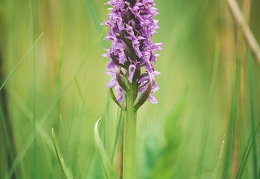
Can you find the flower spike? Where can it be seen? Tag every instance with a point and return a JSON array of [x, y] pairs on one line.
[[132, 55]]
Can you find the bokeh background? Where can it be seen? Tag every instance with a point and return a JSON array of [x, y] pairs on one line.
[[204, 126]]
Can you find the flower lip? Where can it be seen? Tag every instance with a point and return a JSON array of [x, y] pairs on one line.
[[131, 72]]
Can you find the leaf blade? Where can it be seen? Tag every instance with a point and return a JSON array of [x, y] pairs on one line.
[[65, 169], [101, 151], [20, 61]]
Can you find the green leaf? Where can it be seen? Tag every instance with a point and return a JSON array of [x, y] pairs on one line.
[[246, 153], [103, 155], [65, 169], [145, 95], [20, 62], [115, 100], [121, 81]]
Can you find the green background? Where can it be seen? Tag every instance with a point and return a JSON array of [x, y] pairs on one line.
[[209, 92]]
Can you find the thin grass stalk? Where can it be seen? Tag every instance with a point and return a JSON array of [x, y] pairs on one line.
[[40, 123], [249, 37], [242, 50], [20, 62], [242, 54], [231, 125], [9, 140], [246, 153], [252, 116], [35, 148], [219, 159], [204, 135], [6, 126]]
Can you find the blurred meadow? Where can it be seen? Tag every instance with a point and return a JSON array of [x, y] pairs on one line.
[[52, 76]]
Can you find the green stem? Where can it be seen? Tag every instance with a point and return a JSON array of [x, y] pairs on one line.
[[129, 147]]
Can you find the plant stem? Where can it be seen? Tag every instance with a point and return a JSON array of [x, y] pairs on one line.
[[245, 28], [129, 147]]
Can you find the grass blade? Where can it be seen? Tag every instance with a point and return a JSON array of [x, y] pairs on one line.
[[231, 125], [20, 62], [65, 169], [93, 11], [251, 143], [219, 159], [252, 117], [101, 151], [246, 153], [259, 172]]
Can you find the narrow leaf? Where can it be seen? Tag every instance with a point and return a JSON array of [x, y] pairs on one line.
[[20, 62], [115, 100], [145, 95], [103, 155], [65, 169], [219, 158], [246, 153], [121, 82]]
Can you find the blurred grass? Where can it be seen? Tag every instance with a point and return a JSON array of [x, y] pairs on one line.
[[61, 84]]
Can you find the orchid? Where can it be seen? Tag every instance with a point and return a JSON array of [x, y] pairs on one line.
[[132, 56]]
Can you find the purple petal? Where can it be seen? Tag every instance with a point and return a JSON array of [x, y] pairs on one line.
[[152, 99], [111, 83], [120, 95], [111, 64]]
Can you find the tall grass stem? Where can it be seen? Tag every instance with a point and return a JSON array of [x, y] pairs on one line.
[[252, 117]]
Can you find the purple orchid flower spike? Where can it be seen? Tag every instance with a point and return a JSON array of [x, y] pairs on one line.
[[132, 54], [132, 58]]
